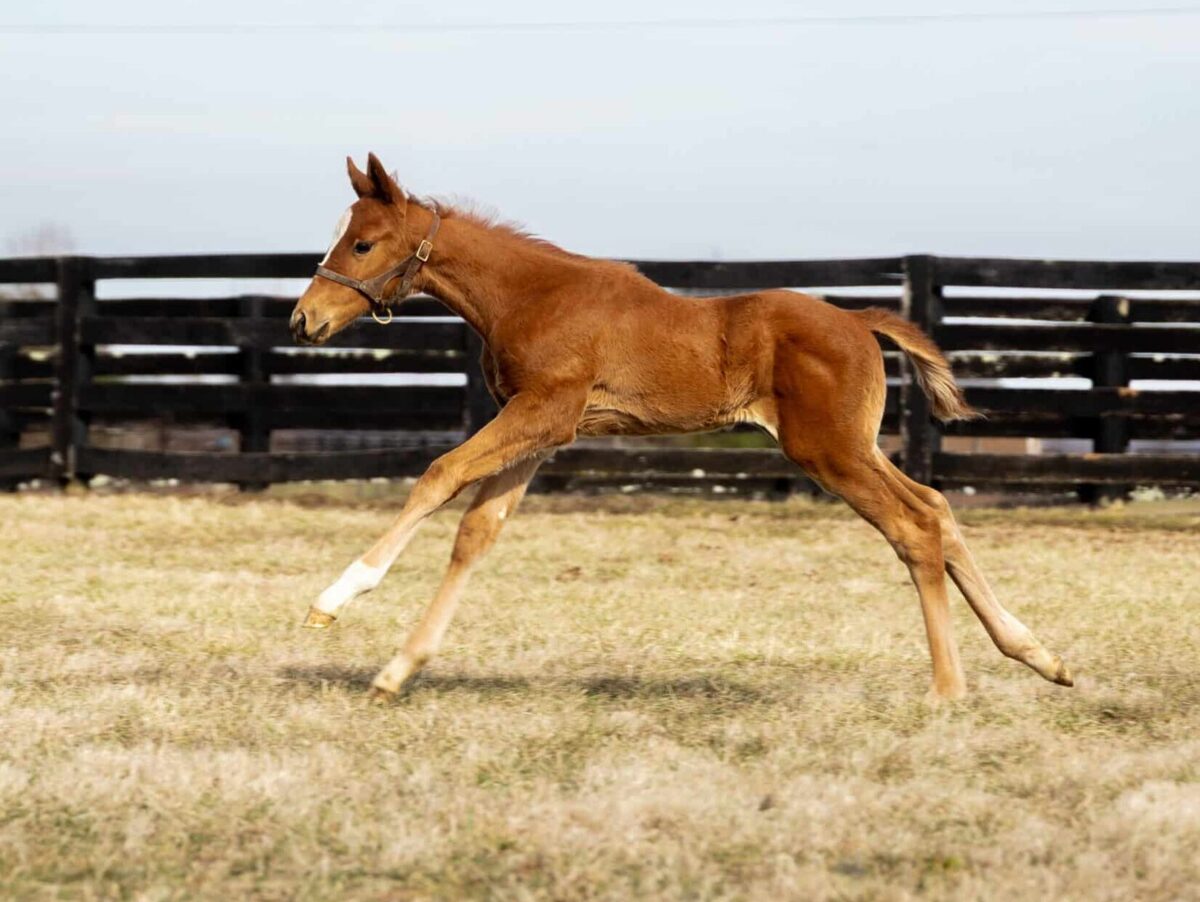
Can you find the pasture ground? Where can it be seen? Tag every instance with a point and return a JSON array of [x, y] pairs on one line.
[[641, 698]]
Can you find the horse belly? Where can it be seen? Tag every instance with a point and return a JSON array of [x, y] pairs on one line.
[[608, 415]]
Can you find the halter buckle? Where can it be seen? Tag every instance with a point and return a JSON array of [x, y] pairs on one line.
[[424, 249]]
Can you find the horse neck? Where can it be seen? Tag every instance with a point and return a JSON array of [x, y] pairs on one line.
[[480, 271]]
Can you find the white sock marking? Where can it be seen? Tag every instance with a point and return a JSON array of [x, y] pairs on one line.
[[355, 580]]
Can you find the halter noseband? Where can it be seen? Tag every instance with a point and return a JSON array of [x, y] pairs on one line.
[[372, 289]]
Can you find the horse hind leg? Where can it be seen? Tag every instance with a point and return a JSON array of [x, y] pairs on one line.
[[912, 529], [1010, 635]]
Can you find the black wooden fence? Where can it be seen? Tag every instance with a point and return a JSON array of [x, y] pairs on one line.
[[62, 370]]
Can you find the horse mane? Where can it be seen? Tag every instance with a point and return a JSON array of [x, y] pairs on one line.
[[489, 218]]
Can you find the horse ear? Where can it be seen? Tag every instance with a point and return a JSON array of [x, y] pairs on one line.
[[359, 180], [386, 188]]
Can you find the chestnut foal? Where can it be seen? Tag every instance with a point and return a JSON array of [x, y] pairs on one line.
[[576, 346]]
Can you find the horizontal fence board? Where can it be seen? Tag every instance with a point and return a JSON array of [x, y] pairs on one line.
[[283, 467], [27, 308], [27, 367], [1165, 368], [1052, 425], [232, 306], [658, 482], [1053, 309], [1143, 310], [989, 365], [28, 269], [1020, 273], [260, 467], [862, 302], [170, 364], [29, 419], [415, 362], [1023, 366], [1163, 432], [403, 420], [271, 306], [24, 463], [1176, 427], [1171, 469], [1015, 425], [240, 397], [167, 365], [27, 331], [759, 274], [1070, 337], [208, 266], [25, 395], [262, 333], [1084, 402], [1162, 310], [274, 363], [708, 462]]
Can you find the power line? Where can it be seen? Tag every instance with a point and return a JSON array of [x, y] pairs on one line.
[[231, 28]]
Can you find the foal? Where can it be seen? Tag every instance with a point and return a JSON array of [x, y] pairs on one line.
[[576, 346]]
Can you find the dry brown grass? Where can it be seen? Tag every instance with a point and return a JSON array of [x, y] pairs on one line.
[[641, 698]]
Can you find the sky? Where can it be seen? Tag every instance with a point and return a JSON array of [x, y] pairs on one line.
[[666, 129]]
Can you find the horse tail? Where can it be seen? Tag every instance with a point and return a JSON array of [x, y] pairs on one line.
[[932, 369]]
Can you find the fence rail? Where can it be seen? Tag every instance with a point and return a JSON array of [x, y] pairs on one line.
[[66, 368]]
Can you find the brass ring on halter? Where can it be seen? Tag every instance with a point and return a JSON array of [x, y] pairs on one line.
[[382, 322]]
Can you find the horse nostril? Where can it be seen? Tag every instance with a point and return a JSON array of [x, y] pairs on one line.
[[298, 323]]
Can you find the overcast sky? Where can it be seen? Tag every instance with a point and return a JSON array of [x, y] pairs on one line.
[[645, 129]]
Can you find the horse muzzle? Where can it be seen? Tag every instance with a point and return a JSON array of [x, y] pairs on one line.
[[305, 333]]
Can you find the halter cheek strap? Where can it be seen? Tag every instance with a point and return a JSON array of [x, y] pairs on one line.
[[372, 289]]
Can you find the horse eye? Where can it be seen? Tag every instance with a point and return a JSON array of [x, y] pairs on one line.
[[362, 247]]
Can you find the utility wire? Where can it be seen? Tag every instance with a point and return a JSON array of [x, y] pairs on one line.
[[562, 26]]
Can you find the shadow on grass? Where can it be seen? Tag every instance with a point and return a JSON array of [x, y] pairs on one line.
[[700, 686], [328, 674]]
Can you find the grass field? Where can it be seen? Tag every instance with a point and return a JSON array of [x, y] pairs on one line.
[[641, 698]]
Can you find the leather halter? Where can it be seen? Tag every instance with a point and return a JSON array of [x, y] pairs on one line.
[[372, 289]]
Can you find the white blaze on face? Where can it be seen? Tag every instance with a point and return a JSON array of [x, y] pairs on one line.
[[338, 231]]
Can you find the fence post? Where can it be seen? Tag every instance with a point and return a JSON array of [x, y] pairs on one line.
[[10, 433], [73, 367], [480, 407], [254, 434], [1109, 369], [921, 304]]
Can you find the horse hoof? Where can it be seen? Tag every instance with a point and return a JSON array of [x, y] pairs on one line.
[[380, 696], [938, 697], [317, 620], [1063, 676]]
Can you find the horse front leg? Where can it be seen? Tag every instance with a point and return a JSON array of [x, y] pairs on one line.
[[495, 502], [525, 427]]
